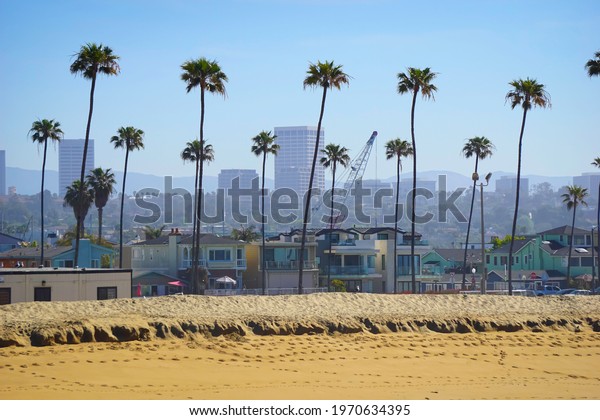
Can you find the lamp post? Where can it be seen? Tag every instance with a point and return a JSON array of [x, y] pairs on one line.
[[483, 267], [593, 262], [473, 271]]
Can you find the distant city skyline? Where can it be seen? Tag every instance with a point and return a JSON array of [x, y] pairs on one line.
[[476, 48]]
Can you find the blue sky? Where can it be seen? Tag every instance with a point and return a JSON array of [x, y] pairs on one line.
[[265, 47]]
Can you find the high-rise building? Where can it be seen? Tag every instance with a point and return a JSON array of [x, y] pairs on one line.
[[508, 185], [294, 159], [589, 180], [2, 172], [70, 155]]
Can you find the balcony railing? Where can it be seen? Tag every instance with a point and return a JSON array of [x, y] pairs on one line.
[[351, 270], [241, 263], [289, 265]]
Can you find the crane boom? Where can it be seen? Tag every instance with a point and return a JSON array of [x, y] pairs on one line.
[[355, 171]]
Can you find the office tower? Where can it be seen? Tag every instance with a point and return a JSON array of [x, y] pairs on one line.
[[294, 159], [2, 172], [508, 185], [70, 155], [589, 180]]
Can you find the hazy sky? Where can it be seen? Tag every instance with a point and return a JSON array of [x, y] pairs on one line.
[[265, 47]]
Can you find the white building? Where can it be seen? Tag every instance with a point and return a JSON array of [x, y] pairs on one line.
[[70, 155], [294, 159]]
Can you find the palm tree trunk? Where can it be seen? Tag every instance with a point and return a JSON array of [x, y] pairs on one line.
[[464, 274], [396, 227], [571, 242], [100, 210], [330, 229], [42, 242], [122, 204], [83, 162], [264, 283], [514, 223], [195, 224], [413, 196], [196, 240], [309, 193]]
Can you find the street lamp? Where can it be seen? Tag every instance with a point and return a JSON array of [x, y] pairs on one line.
[[483, 267], [593, 261], [473, 271]]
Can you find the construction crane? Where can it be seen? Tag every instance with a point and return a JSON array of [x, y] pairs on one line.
[[353, 172]]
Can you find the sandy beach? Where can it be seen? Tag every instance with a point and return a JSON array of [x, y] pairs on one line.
[[324, 346]]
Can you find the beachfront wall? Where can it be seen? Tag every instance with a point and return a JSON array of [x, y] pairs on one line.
[[44, 284]]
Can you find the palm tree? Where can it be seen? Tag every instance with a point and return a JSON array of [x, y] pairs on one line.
[[103, 183], [527, 93], [192, 153], [415, 81], [328, 76], [574, 196], [153, 233], [130, 139], [91, 60], [481, 148], [42, 131], [246, 234], [79, 198], [207, 75], [593, 65], [398, 149], [334, 155], [264, 144]]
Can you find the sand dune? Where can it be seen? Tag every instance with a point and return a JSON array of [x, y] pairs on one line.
[[327, 346], [47, 323]]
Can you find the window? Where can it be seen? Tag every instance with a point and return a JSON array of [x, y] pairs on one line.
[[495, 260], [371, 261], [42, 294], [383, 262], [240, 254], [574, 261], [586, 261], [525, 259], [219, 255], [487, 259], [95, 263], [105, 293], [4, 295], [382, 236], [503, 260], [404, 266]]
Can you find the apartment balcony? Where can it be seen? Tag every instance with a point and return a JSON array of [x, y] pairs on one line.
[[349, 270], [289, 265], [240, 264], [188, 264]]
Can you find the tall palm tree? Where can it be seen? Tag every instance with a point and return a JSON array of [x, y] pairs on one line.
[[398, 149], [528, 93], [208, 76], [415, 81], [264, 144], [103, 183], [334, 155], [130, 139], [481, 148], [89, 61], [327, 75], [79, 198], [42, 131], [593, 65], [574, 197]]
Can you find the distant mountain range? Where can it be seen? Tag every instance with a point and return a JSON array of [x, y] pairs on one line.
[[27, 181]]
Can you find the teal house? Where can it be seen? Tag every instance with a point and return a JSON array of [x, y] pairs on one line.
[[90, 256], [544, 258]]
